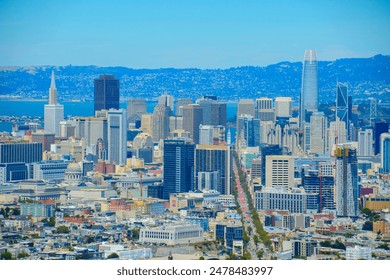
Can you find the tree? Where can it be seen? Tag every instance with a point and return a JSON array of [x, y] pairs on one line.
[[6, 256], [51, 222], [368, 225], [113, 256], [62, 229], [22, 255], [201, 258]]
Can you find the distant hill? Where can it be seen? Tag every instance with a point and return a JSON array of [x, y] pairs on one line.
[[365, 77]]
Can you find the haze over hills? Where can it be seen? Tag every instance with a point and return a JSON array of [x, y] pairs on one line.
[[365, 76]]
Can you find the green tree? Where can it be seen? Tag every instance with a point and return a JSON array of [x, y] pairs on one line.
[[62, 229], [113, 256], [51, 222], [201, 258], [6, 256], [368, 225], [22, 255]]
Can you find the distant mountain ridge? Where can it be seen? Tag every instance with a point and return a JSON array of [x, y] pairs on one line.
[[364, 76]]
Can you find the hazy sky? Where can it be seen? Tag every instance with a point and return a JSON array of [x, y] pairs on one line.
[[189, 33]]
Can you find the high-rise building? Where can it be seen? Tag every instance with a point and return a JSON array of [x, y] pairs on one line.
[[381, 127], [147, 123], [192, 119], [337, 134], [309, 89], [318, 126], [160, 122], [175, 123], [53, 112], [365, 143], [91, 129], [46, 138], [12, 172], [167, 100], [342, 105], [279, 171], [268, 150], [136, 107], [117, 136], [12, 152], [385, 152], [283, 107], [214, 112], [106, 93], [178, 166], [246, 107], [347, 189], [180, 103], [210, 158], [211, 134], [248, 131], [264, 109]]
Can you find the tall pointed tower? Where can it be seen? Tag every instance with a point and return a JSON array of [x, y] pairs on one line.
[[54, 112]]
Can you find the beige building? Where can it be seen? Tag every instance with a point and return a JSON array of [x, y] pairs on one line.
[[279, 171]]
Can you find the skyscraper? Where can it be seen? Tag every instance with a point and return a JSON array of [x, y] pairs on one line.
[[347, 189], [317, 133], [12, 152], [342, 105], [248, 131], [380, 127], [279, 171], [309, 90], [117, 136], [283, 107], [180, 103], [365, 143], [192, 119], [160, 122], [167, 100], [385, 152], [267, 150], [106, 93], [214, 112], [53, 112], [246, 107], [264, 109], [215, 158], [136, 107], [178, 166]]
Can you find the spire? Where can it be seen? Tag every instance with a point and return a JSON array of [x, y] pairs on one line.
[[53, 82], [53, 99]]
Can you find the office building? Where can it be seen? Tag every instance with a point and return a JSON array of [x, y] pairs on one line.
[[160, 122], [228, 232], [176, 122], [53, 112], [91, 129], [172, 234], [358, 253], [264, 109], [295, 200], [337, 134], [180, 103], [210, 158], [385, 152], [246, 107], [347, 189], [12, 172], [268, 150], [279, 171], [283, 107], [46, 138], [117, 136], [214, 112], [178, 166], [167, 101], [365, 143], [147, 123], [106, 93], [309, 90], [248, 131], [136, 107], [342, 105], [16, 152], [318, 126], [192, 119], [49, 170], [381, 127], [211, 134]]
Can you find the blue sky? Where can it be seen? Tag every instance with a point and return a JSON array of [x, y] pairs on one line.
[[189, 33]]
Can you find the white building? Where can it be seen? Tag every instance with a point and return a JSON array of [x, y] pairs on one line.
[[53, 112], [318, 126], [264, 109], [365, 143], [117, 136], [358, 253], [283, 107], [172, 234]]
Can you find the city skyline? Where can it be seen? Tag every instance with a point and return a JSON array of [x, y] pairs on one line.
[[199, 34]]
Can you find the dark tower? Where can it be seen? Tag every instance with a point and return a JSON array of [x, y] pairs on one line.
[[106, 93]]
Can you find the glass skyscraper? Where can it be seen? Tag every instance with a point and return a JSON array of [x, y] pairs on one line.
[[178, 166], [309, 90], [385, 152], [106, 93]]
